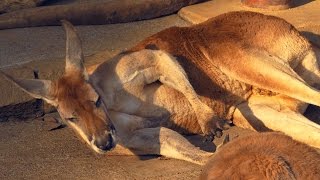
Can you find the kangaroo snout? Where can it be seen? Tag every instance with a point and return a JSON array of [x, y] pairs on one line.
[[104, 143]]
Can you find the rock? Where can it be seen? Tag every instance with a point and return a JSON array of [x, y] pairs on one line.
[[268, 4], [93, 13], [13, 5]]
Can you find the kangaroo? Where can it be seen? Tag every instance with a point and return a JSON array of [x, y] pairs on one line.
[[255, 70], [270, 155]]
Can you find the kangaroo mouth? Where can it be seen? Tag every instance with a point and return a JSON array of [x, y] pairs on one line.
[[101, 149]]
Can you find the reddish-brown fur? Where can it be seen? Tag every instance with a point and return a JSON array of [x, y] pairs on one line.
[[264, 156], [72, 91], [236, 32]]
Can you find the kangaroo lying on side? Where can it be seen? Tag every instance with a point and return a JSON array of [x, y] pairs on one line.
[[254, 69], [264, 156]]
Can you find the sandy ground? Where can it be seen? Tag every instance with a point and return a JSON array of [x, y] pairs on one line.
[[28, 150], [47, 43]]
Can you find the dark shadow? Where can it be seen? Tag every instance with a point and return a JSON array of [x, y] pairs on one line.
[[313, 113], [297, 3], [57, 2], [312, 37], [251, 118], [22, 111], [198, 141], [148, 157]]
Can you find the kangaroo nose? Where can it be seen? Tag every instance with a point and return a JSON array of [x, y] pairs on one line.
[[105, 143]]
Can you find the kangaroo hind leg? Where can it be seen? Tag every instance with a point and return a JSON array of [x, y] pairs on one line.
[[263, 70], [275, 116]]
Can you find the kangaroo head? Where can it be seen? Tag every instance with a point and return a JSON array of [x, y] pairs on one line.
[[74, 98]]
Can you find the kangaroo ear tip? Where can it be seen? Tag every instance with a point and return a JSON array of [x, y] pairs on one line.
[[66, 24], [63, 21]]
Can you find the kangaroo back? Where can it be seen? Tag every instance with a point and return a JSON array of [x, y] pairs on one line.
[[264, 156]]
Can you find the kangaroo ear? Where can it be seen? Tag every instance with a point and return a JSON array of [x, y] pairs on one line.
[[74, 54], [41, 89]]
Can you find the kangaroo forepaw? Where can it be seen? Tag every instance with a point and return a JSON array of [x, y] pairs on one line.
[[213, 127]]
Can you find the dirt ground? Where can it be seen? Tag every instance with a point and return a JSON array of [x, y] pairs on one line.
[[30, 151]]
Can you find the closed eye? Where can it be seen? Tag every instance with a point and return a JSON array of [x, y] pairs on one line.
[[98, 102], [72, 119]]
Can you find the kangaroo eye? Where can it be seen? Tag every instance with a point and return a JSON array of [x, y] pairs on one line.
[[98, 102], [74, 114], [73, 119]]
